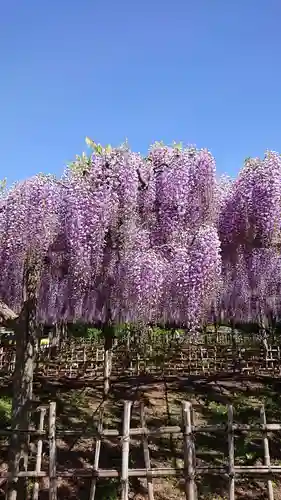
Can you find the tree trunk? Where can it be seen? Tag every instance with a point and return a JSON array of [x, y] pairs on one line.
[[26, 340], [22, 396]]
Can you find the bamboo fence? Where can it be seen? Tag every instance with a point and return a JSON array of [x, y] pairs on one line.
[[190, 471], [86, 359]]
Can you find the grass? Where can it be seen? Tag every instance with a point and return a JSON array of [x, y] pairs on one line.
[[5, 411]]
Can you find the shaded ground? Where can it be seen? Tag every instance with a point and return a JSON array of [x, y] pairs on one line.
[[78, 407]]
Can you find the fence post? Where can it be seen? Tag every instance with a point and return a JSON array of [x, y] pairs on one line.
[[146, 454], [52, 452], [188, 451], [125, 450], [39, 453], [231, 454], [266, 453], [97, 456]]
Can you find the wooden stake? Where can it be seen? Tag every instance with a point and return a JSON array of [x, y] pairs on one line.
[[108, 332], [52, 452], [97, 457], [146, 455], [266, 453], [125, 450], [39, 453], [188, 451], [231, 454]]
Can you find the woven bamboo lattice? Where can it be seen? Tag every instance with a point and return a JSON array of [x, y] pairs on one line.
[[86, 359], [190, 472]]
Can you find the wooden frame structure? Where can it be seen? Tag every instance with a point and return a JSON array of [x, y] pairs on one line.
[[187, 431]]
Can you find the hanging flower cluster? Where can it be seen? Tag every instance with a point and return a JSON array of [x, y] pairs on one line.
[[249, 226], [157, 239], [251, 215], [125, 239]]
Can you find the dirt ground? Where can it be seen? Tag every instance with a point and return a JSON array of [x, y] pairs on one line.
[[78, 406]]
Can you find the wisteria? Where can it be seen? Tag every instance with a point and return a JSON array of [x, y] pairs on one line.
[[251, 214], [30, 220], [157, 239]]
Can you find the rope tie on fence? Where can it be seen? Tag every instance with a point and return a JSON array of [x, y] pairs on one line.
[[94, 474], [149, 475], [125, 439]]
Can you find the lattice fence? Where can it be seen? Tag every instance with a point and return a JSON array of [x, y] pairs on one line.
[[167, 354], [191, 471]]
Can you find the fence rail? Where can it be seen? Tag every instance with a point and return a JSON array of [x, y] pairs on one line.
[[191, 471]]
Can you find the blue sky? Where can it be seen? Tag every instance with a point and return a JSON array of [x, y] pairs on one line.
[[206, 72]]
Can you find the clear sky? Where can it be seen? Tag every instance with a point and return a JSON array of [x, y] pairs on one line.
[[207, 72]]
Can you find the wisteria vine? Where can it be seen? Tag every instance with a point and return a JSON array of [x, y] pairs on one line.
[[157, 239]]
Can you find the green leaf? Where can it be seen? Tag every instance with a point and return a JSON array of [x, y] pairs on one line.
[[90, 143], [178, 145], [3, 184], [159, 144], [99, 149]]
